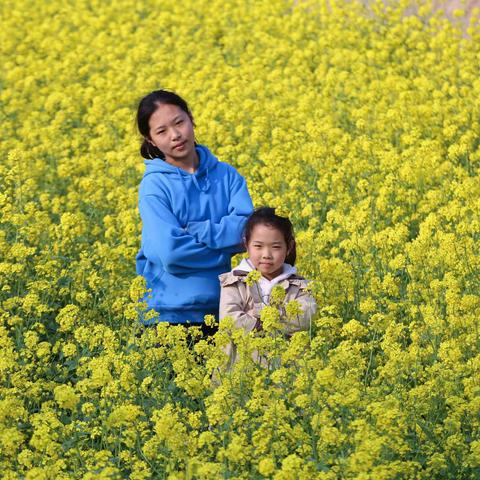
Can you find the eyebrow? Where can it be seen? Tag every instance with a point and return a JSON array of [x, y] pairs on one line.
[[259, 241]]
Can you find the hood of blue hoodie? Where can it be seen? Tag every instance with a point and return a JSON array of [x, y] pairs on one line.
[[207, 163]]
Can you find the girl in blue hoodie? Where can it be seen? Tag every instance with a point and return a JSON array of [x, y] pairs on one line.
[[193, 208]]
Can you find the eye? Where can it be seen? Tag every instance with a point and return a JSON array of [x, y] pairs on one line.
[[179, 121]]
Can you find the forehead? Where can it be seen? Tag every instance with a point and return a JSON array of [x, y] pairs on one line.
[[266, 234], [164, 114]]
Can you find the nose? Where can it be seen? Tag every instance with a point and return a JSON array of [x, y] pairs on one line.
[[266, 254], [175, 134]]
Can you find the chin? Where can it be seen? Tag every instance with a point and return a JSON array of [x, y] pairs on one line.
[[181, 155], [186, 153]]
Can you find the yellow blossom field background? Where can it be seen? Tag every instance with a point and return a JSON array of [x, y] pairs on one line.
[[362, 122]]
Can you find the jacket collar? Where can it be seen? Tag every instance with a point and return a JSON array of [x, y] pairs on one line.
[[240, 273]]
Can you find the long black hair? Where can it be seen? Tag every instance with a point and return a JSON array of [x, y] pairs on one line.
[[147, 106], [267, 216]]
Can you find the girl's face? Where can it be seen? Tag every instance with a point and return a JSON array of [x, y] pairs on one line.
[[267, 250], [171, 131]]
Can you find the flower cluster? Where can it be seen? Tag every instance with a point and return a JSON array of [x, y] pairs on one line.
[[360, 120]]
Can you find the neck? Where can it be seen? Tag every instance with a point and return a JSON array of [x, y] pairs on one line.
[[271, 276], [189, 164]]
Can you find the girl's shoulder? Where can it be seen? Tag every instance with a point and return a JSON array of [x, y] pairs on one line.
[[297, 279], [232, 277]]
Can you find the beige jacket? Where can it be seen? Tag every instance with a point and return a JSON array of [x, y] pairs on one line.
[[243, 304]]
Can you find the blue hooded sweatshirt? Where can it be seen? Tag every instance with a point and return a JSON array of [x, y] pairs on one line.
[[192, 224]]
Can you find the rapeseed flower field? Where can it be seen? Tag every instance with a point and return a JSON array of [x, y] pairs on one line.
[[361, 120]]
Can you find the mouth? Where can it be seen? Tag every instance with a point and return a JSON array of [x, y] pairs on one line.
[[180, 145]]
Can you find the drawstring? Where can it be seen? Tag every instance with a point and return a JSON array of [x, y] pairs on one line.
[[207, 181], [179, 173], [206, 184], [195, 182]]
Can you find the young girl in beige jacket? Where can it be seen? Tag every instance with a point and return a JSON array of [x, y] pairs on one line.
[[270, 244]]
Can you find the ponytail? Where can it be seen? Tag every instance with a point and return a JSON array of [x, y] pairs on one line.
[[148, 150]]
